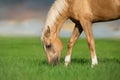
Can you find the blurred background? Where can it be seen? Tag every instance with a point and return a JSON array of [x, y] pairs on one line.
[[27, 18]]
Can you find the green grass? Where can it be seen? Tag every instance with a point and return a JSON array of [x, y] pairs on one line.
[[24, 59]]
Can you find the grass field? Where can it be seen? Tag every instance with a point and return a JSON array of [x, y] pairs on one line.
[[24, 59]]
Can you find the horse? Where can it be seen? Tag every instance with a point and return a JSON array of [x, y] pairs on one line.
[[83, 13]]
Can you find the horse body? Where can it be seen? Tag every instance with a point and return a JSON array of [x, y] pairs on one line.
[[83, 13], [96, 10], [105, 10]]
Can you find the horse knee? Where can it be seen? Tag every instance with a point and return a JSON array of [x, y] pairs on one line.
[[70, 44], [91, 45]]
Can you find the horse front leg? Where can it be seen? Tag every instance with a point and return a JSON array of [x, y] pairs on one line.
[[87, 27], [75, 35]]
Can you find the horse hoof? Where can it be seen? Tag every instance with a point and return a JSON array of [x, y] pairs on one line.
[[67, 63], [93, 65]]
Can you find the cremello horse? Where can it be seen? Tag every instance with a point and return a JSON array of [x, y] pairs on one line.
[[83, 13]]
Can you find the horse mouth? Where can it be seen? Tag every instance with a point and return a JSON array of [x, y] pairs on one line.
[[54, 61]]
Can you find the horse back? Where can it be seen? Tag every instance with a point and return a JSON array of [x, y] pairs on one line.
[[104, 10]]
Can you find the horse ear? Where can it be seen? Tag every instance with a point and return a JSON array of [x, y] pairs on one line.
[[47, 33], [48, 29]]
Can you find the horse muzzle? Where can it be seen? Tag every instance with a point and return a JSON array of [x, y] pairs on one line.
[[54, 61]]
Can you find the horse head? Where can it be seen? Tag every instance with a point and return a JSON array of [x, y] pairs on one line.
[[52, 46]]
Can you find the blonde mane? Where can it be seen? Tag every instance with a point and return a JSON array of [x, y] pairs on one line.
[[55, 11]]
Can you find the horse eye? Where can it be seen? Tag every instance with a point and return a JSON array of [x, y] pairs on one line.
[[49, 46]]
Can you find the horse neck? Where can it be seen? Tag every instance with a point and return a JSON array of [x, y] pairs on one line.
[[58, 24], [57, 16]]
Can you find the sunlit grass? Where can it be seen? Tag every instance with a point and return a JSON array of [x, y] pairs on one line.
[[24, 59]]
